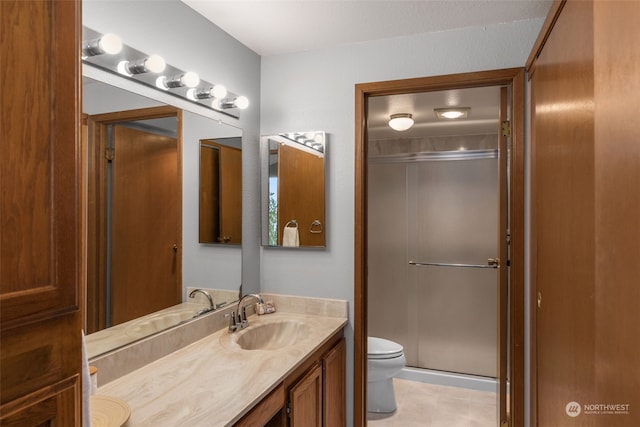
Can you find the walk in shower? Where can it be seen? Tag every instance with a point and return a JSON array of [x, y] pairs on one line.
[[432, 246]]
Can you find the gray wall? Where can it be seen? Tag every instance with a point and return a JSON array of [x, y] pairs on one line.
[[189, 42], [315, 91]]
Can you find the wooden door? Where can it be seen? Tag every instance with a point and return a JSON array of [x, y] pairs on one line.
[[209, 199], [301, 194], [305, 400], [40, 223], [231, 195], [334, 388], [144, 224], [585, 206], [563, 211]]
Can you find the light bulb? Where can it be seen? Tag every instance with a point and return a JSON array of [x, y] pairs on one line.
[[219, 91], [242, 102], [110, 43], [190, 79], [150, 64], [155, 64]]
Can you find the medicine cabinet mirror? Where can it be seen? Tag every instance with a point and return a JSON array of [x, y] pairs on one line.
[[293, 189], [220, 201]]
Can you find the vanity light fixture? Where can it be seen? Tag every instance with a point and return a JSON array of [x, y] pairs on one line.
[[154, 72], [188, 79], [241, 102], [400, 121], [150, 64], [108, 43], [452, 113]]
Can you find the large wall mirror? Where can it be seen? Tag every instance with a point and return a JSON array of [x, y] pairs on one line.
[[293, 189], [145, 179]]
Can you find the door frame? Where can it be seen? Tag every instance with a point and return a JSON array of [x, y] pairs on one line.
[[96, 196], [515, 78]]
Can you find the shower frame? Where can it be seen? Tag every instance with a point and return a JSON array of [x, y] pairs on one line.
[[513, 77]]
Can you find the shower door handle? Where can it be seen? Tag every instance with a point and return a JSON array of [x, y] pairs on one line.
[[491, 263]]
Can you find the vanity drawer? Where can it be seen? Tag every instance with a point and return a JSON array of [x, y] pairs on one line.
[[265, 410]]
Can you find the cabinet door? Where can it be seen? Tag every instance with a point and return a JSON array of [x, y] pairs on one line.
[[334, 396], [305, 400], [40, 216]]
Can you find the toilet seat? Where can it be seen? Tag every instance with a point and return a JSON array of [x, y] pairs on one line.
[[379, 348]]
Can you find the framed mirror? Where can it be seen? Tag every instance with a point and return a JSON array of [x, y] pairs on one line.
[[115, 318], [293, 189]]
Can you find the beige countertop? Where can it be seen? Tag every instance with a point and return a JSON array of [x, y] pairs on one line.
[[213, 382]]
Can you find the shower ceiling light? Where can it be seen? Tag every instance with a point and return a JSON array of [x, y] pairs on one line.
[[401, 121], [452, 113]]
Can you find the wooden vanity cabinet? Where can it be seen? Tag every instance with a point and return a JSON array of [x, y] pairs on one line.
[[311, 396], [317, 397]]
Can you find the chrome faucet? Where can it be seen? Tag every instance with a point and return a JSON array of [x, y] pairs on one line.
[[239, 320], [212, 306]]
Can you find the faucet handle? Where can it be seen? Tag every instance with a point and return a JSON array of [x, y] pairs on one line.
[[233, 325]]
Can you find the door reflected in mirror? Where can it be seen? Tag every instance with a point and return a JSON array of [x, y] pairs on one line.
[[135, 272], [293, 189], [220, 210]]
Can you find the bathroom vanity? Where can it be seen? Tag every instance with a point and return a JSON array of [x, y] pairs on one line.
[[284, 369]]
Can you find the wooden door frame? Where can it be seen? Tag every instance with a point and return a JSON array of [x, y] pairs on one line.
[[96, 219], [515, 78]]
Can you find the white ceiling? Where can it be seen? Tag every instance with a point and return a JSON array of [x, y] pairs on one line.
[[271, 27]]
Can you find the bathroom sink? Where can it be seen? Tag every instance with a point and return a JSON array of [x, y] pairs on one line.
[[158, 322], [272, 335]]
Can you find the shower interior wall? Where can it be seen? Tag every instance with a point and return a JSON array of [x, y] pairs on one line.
[[434, 211]]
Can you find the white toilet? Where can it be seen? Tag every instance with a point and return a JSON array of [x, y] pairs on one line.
[[385, 359]]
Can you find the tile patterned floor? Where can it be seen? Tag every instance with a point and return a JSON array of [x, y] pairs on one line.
[[428, 405]]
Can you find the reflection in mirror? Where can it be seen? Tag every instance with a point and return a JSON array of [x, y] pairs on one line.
[[124, 286], [220, 191], [293, 189]]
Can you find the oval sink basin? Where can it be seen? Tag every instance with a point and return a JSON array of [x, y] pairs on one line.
[[272, 335]]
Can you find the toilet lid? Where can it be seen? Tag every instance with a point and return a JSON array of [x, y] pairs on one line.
[[379, 348]]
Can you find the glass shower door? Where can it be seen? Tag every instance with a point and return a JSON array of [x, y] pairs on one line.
[[454, 213]]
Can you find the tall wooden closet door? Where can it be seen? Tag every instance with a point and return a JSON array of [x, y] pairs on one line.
[[40, 221], [563, 203], [585, 96]]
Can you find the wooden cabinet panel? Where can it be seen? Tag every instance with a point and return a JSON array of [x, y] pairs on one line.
[[305, 400], [40, 214], [39, 237], [334, 392]]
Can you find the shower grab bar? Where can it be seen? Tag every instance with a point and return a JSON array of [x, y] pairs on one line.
[[491, 263]]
